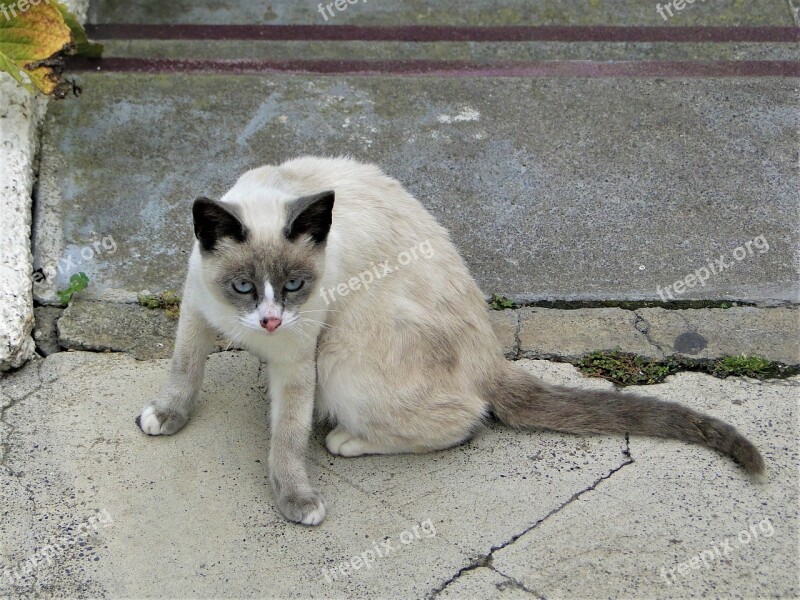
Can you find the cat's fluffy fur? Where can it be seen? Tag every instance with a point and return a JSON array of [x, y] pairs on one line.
[[406, 363]]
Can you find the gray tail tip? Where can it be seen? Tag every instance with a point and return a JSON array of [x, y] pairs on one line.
[[749, 457]]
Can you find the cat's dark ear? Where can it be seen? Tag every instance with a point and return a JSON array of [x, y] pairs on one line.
[[312, 216], [214, 222]]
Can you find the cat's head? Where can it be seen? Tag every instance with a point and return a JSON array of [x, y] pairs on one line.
[[267, 274]]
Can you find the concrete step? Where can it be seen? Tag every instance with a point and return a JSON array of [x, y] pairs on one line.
[[439, 12], [561, 189], [474, 52], [533, 333]]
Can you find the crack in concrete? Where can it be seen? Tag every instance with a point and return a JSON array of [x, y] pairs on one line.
[[523, 301], [514, 584], [517, 333], [642, 325], [486, 559]]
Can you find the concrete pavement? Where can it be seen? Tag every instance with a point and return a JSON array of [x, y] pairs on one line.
[[506, 515]]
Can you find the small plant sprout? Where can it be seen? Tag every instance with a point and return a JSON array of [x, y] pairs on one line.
[[77, 283], [500, 302], [168, 300]]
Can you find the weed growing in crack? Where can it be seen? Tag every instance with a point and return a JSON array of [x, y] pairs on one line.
[[500, 302], [167, 300], [77, 283], [628, 369]]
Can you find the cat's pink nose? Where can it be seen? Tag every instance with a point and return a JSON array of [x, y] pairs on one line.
[[271, 324]]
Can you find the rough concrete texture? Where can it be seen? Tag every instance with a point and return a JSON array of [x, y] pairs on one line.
[[442, 12], [141, 332], [46, 331], [570, 334], [19, 113], [774, 333], [506, 327], [485, 583], [707, 333], [473, 52], [672, 504], [193, 515], [146, 334], [569, 189]]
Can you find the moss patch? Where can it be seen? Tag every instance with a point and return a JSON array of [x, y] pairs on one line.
[[167, 300], [500, 302], [628, 369], [745, 366]]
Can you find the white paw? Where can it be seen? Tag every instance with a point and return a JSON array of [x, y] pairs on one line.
[[148, 421], [315, 517], [343, 443], [153, 421], [307, 507]]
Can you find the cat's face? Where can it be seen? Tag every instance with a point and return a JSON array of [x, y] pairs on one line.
[[267, 280]]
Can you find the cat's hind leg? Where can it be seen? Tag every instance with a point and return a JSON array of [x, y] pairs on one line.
[[342, 443], [420, 437]]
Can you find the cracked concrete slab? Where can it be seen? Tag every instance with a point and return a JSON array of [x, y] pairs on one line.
[[200, 503], [709, 334], [570, 334], [536, 333], [675, 502], [485, 583], [147, 334], [110, 327], [45, 333], [506, 327]]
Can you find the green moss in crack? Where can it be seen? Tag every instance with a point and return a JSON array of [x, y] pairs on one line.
[[745, 366], [626, 369], [500, 302], [167, 300]]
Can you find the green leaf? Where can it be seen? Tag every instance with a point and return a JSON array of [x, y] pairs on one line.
[[78, 282], [33, 43]]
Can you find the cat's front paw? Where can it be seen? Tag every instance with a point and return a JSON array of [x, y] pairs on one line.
[[160, 421], [307, 507]]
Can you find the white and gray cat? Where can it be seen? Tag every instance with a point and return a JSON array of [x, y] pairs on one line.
[[361, 307]]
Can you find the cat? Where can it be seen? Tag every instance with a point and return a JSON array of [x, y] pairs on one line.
[[364, 312]]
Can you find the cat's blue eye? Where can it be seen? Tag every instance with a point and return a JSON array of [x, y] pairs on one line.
[[294, 285], [243, 286]]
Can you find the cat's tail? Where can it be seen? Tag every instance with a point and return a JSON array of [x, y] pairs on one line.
[[521, 401]]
